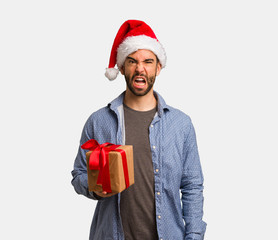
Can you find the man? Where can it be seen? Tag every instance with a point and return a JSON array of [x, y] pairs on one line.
[[166, 160]]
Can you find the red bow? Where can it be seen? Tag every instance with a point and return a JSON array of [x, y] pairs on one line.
[[99, 160]]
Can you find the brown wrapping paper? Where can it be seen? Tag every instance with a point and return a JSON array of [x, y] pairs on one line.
[[116, 171]]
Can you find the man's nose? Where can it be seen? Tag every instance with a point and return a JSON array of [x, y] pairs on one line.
[[139, 67]]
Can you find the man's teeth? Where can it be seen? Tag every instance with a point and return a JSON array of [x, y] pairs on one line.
[[140, 81]]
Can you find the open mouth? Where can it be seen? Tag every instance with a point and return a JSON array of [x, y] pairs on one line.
[[140, 81]]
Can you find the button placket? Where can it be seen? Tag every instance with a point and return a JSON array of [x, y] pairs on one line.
[[155, 144]]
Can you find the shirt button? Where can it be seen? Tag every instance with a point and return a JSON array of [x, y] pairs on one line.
[[158, 193], [153, 147], [159, 217], [156, 170], [151, 125]]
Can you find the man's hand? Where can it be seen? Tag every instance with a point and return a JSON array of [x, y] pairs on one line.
[[104, 194]]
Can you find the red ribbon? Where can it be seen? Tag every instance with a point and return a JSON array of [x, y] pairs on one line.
[[99, 160]]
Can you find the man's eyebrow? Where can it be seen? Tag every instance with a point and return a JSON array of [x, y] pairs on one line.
[[146, 60], [131, 59], [149, 59]]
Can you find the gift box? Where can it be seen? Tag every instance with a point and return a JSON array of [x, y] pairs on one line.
[[110, 167]]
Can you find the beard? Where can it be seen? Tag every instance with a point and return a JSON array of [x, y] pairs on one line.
[[149, 81]]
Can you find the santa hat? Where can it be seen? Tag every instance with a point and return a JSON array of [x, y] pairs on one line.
[[132, 36]]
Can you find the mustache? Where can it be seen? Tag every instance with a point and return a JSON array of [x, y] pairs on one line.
[[139, 75]]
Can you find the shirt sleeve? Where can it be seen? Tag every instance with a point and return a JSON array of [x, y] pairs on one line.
[[192, 190], [79, 173]]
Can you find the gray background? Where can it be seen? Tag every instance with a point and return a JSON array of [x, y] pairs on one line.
[[221, 70]]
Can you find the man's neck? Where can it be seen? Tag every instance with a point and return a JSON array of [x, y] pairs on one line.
[[140, 103]]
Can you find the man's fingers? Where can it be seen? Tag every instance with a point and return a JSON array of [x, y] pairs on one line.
[[104, 194]]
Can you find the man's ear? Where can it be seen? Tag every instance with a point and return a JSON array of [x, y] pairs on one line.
[[122, 70], [158, 68]]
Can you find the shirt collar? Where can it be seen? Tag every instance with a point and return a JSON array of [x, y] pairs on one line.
[[161, 104]]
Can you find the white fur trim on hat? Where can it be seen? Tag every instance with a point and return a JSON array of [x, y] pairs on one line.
[[111, 73], [134, 43]]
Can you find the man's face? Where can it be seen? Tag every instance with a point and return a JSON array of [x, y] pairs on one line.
[[140, 70]]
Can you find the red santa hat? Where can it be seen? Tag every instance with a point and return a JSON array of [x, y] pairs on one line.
[[132, 36]]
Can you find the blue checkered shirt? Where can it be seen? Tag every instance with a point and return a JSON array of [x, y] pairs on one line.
[[178, 178]]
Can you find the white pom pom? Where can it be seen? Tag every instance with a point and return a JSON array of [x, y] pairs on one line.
[[111, 73]]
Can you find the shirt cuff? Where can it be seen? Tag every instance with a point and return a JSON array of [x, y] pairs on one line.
[[193, 236], [95, 196]]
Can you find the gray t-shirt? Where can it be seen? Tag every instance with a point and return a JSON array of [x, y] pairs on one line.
[[138, 202]]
